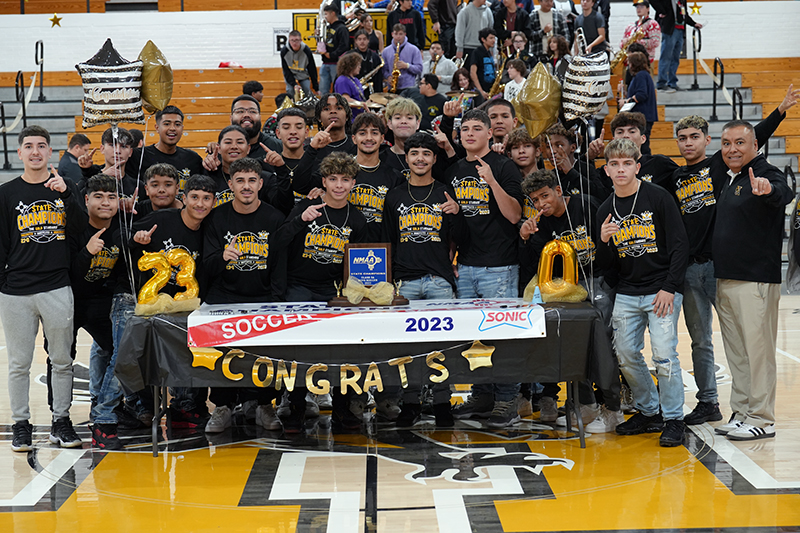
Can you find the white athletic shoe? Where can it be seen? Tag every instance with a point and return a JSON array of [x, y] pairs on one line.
[[588, 414], [267, 418], [732, 425], [606, 422], [750, 432], [220, 420]]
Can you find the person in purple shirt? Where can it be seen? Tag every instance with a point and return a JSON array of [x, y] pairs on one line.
[[347, 83], [409, 62]]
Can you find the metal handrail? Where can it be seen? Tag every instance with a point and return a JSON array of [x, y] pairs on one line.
[[19, 91], [721, 78], [6, 165], [736, 95], [38, 56], [697, 45]]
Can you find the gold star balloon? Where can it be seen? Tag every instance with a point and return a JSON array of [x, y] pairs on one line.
[[56, 20], [695, 9], [478, 355]]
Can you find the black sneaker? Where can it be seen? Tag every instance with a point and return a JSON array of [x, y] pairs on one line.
[[104, 436], [444, 415], [126, 420], [295, 421], [409, 415], [23, 436], [343, 418], [640, 423], [703, 412], [673, 433], [62, 433], [196, 418]]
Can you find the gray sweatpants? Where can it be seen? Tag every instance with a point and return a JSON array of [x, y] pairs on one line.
[[21, 316]]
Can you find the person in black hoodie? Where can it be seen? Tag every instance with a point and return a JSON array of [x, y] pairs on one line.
[[643, 241], [746, 246], [333, 45], [40, 210], [443, 17], [411, 19], [508, 18], [673, 17]]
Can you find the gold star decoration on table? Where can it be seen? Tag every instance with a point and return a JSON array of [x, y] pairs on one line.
[[56, 20], [695, 9], [478, 355]]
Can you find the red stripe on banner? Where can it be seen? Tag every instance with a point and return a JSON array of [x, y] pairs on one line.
[[229, 330]]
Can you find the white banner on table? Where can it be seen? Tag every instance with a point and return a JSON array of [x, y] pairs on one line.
[[297, 323]]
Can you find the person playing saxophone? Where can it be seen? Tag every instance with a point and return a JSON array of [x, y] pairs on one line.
[[440, 66], [403, 58], [651, 29]]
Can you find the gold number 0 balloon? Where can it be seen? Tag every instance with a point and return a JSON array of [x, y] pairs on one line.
[[157, 261], [185, 277], [549, 253]]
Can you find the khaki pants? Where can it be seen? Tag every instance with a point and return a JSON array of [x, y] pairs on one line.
[[748, 318]]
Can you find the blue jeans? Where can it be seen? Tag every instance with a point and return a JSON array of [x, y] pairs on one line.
[[671, 46], [110, 389], [490, 282], [327, 73], [427, 288], [700, 295], [631, 315], [304, 84]]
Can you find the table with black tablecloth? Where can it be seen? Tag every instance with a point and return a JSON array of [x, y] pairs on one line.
[[154, 352]]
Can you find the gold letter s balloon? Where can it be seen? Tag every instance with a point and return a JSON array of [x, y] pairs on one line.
[[185, 276], [158, 262]]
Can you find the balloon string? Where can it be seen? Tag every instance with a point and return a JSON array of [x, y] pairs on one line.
[[126, 228], [586, 202], [569, 218]]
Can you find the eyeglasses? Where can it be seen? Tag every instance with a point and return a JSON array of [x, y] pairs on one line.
[[245, 111]]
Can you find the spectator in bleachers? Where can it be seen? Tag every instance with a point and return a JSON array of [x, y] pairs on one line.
[[593, 25], [117, 154], [299, 67], [169, 126], [254, 89], [429, 100], [412, 19], [517, 72], [483, 68], [138, 137], [272, 122], [335, 43], [443, 17], [672, 17], [642, 92], [558, 57], [370, 60], [509, 18], [68, 165], [409, 60], [442, 67], [546, 22], [416, 4], [519, 49], [376, 41], [471, 19], [650, 28], [347, 83], [246, 112]]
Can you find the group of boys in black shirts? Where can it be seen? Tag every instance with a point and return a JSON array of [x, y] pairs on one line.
[[268, 219]]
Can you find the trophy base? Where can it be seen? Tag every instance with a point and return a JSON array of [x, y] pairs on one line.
[[341, 301]]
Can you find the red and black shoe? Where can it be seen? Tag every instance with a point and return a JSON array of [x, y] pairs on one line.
[[196, 418], [104, 436]]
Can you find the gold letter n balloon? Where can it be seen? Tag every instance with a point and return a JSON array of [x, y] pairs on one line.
[[564, 289]]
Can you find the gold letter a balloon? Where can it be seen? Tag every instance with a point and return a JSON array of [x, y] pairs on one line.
[[538, 102]]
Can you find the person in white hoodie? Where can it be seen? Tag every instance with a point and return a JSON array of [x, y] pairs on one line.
[[470, 20]]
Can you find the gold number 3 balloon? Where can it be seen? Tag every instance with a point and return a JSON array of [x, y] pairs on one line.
[[161, 263]]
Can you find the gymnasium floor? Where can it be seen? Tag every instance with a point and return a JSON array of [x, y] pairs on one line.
[[528, 478]]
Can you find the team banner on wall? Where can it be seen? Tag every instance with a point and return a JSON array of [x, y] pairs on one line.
[[282, 324]]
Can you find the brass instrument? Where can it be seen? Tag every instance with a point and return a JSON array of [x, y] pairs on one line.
[[307, 103], [622, 55], [395, 71], [459, 62], [352, 13], [434, 62], [322, 24], [365, 80], [497, 88]]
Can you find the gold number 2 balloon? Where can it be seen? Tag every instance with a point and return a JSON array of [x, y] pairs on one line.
[[185, 277], [157, 261]]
